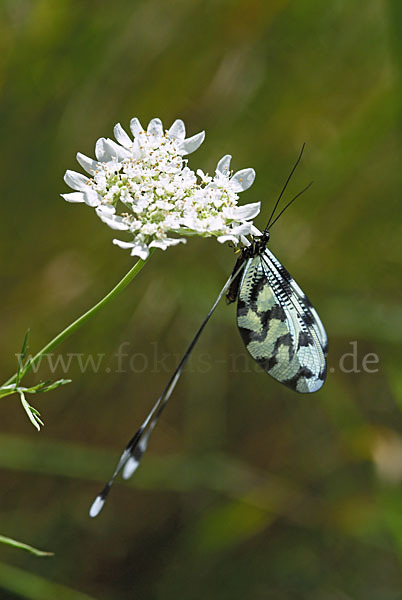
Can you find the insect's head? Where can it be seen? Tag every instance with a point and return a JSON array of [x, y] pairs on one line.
[[262, 241], [257, 246]]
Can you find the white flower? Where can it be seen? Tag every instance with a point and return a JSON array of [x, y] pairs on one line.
[[239, 182], [143, 185]]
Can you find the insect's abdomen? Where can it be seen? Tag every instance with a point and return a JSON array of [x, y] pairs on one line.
[[237, 274]]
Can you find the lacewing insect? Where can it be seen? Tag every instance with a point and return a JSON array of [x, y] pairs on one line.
[[279, 327]]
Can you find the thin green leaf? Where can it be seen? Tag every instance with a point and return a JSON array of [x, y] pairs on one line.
[[25, 345], [22, 546], [46, 386], [55, 385], [36, 422], [22, 355], [36, 414], [35, 389], [7, 390]]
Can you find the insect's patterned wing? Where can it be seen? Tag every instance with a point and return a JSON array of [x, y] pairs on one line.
[[310, 314], [278, 328]]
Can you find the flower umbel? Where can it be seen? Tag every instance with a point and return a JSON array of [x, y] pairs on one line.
[[145, 187]]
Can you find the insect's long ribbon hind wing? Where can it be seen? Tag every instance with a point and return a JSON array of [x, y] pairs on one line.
[[131, 456], [133, 452], [275, 329]]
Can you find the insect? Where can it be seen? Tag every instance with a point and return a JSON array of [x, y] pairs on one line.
[[278, 324]]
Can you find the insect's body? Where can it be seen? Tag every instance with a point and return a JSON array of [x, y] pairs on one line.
[[278, 325]]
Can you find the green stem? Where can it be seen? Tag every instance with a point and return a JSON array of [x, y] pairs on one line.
[[22, 546], [82, 319]]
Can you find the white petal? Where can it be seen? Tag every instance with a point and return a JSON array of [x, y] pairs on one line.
[[248, 211], [178, 130], [155, 128], [243, 179], [91, 197], [136, 127], [76, 181], [122, 137], [228, 238], [255, 231], [73, 197], [96, 506], [137, 249], [106, 208], [191, 144], [102, 150], [224, 164], [124, 245], [87, 163], [117, 151], [136, 152], [112, 221], [107, 150], [163, 244], [140, 250], [245, 241], [243, 229]]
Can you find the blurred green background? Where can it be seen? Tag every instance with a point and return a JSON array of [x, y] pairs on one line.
[[248, 490]]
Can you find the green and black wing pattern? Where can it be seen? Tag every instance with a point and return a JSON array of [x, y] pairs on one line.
[[279, 326]]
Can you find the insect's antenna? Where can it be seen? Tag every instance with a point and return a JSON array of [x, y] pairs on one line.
[[291, 201], [133, 452], [286, 184]]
